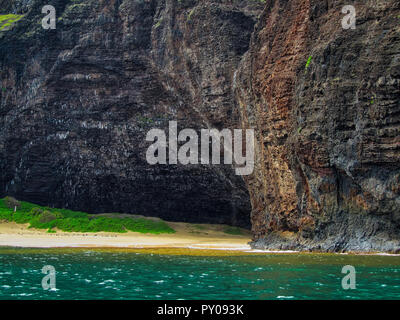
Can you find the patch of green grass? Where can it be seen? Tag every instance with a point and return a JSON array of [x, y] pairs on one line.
[[22, 217], [71, 225], [6, 214], [189, 17], [308, 62], [372, 101], [72, 214], [236, 231], [40, 217], [158, 24], [7, 20], [143, 225], [299, 130]]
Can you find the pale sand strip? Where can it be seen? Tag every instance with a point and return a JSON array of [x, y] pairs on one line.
[[15, 235]]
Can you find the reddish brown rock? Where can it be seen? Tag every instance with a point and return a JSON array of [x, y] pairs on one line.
[[328, 152]]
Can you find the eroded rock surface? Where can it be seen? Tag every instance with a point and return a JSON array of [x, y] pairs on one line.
[[328, 143]]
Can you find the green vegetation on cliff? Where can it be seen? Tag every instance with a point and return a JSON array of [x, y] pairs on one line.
[[40, 217], [6, 20], [308, 62]]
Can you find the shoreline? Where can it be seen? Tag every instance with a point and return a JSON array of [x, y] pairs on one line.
[[14, 235], [163, 249], [186, 236]]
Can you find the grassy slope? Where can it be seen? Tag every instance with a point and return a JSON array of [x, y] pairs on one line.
[[75, 221]]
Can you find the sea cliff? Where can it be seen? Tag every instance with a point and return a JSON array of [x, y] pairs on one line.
[[77, 102]]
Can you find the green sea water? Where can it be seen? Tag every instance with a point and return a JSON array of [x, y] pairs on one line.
[[125, 274]]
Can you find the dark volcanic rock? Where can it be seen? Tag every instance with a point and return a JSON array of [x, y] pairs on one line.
[[78, 102], [328, 145]]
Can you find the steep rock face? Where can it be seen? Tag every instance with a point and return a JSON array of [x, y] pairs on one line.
[[327, 171], [78, 101]]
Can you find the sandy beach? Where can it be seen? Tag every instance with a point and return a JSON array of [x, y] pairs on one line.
[[186, 236]]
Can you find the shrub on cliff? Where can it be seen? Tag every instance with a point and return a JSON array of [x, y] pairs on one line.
[[12, 203], [36, 212], [47, 216], [45, 220]]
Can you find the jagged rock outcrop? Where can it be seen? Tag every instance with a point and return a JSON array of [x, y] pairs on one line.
[[325, 105], [78, 101]]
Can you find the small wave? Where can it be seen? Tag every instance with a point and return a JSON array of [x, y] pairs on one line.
[[159, 281]]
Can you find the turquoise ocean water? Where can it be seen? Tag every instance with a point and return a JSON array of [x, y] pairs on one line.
[[124, 274]]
